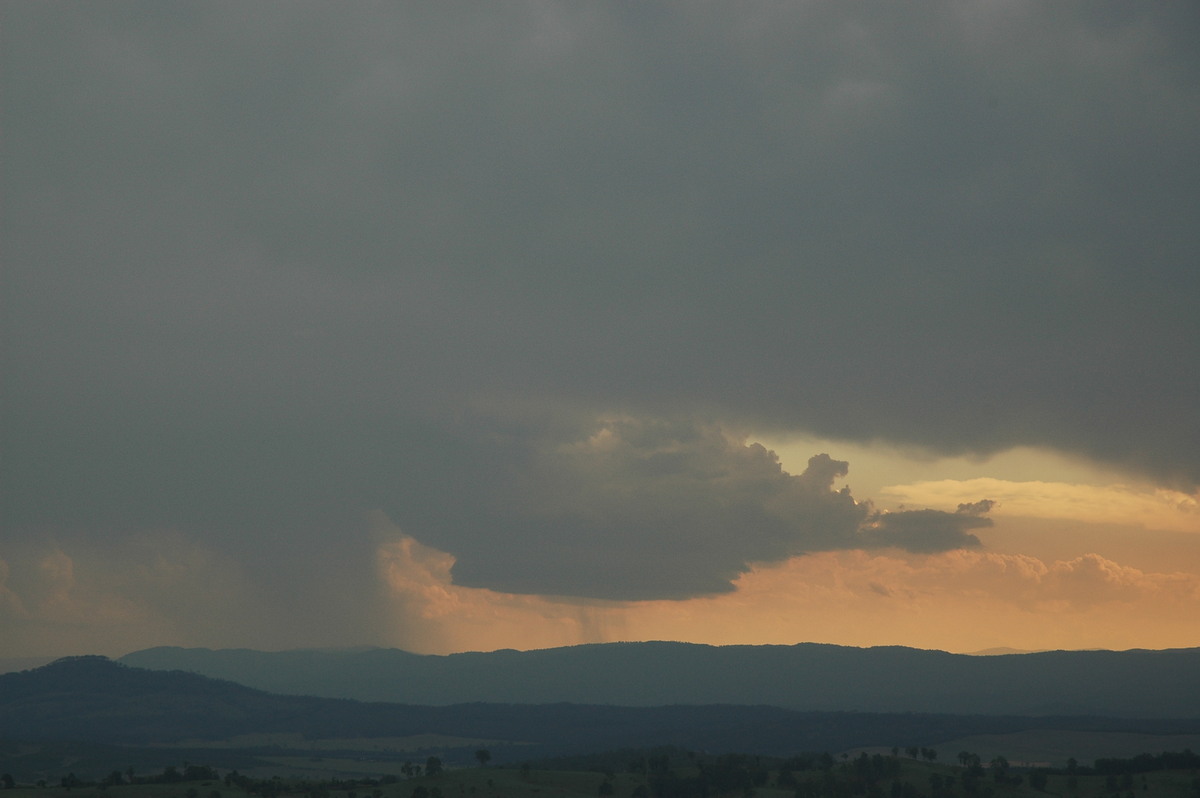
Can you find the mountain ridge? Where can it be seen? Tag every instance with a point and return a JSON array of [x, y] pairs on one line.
[[805, 677], [94, 699]]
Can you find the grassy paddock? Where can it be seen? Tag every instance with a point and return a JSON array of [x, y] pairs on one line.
[[509, 783], [1056, 747], [913, 779], [297, 742]]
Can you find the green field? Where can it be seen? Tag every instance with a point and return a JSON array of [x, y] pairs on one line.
[[298, 742]]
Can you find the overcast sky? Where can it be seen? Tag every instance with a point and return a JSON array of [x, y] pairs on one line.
[[465, 325]]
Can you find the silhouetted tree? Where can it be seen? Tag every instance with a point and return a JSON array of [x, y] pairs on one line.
[[433, 766], [483, 755], [999, 769]]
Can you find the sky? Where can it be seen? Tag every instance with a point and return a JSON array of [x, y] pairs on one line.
[[465, 326]]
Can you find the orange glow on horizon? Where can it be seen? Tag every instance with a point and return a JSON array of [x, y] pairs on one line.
[[960, 601]]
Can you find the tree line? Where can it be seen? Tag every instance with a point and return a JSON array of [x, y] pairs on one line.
[[679, 773]]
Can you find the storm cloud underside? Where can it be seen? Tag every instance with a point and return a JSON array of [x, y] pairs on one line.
[[523, 277]]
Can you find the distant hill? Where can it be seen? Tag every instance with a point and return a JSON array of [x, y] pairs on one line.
[[93, 699], [812, 677]]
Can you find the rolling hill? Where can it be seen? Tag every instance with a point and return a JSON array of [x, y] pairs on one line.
[[93, 699], [807, 677]]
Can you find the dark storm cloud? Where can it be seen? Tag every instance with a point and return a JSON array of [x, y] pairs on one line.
[[645, 509], [269, 266], [924, 531], [981, 507]]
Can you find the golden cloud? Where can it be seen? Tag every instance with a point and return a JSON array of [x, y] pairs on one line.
[[1142, 507], [957, 600]]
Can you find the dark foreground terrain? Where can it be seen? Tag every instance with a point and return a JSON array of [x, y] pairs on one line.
[[86, 713], [661, 773]]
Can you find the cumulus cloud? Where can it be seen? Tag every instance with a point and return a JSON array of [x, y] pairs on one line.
[[50, 605], [10, 603], [639, 508], [1092, 579], [977, 508], [645, 508], [1082, 583], [428, 612], [959, 600], [927, 530]]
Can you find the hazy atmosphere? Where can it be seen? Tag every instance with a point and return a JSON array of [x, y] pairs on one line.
[[463, 326]]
